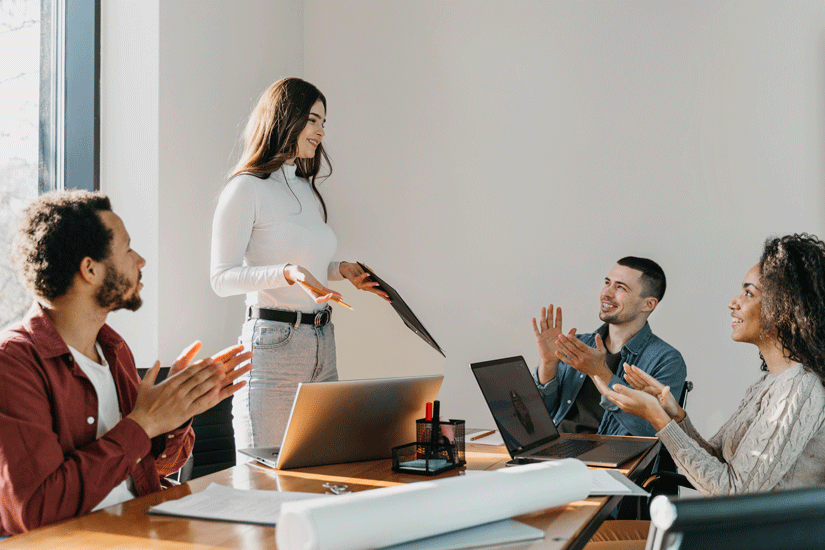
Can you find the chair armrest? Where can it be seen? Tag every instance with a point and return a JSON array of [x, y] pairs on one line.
[[664, 478], [168, 482], [660, 483]]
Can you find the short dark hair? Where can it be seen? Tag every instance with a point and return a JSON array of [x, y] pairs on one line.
[[653, 276], [56, 232], [792, 273]]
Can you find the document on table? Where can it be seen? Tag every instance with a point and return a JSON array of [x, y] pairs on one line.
[[613, 482], [218, 502], [506, 531]]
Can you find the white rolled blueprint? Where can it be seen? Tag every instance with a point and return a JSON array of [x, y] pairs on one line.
[[392, 515]]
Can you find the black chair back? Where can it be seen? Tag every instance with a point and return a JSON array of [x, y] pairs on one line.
[[781, 520], [214, 448]]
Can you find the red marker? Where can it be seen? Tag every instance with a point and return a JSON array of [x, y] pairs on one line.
[[428, 416]]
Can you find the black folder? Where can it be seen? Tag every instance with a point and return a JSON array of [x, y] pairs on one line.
[[403, 309]]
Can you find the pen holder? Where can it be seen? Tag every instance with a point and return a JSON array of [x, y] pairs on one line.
[[425, 457]]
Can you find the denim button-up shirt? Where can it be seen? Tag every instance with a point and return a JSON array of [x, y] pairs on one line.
[[645, 350]]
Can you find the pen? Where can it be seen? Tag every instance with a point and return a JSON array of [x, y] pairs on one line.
[[319, 291], [436, 430], [485, 434]]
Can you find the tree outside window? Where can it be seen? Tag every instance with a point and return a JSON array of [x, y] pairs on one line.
[[19, 127], [49, 105]]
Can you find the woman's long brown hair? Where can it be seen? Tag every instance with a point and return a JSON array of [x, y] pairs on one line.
[[271, 135]]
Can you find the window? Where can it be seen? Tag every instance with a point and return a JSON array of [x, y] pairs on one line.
[[49, 114]]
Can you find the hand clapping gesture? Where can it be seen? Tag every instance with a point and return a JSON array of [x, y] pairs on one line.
[[189, 389], [547, 331], [637, 402], [642, 381], [583, 358]]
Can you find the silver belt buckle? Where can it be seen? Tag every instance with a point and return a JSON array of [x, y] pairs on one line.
[[319, 318]]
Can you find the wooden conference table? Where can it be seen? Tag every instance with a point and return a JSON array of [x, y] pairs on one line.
[[128, 526]]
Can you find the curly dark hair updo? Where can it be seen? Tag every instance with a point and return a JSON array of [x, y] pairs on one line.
[[56, 232], [792, 272]]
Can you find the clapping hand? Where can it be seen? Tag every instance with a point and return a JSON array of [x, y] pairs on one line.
[[188, 390], [642, 381], [547, 331], [635, 402], [583, 358]]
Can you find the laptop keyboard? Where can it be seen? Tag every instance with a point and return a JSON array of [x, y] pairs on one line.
[[567, 448]]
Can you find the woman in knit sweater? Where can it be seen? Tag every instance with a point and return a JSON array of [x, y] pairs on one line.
[[776, 438]]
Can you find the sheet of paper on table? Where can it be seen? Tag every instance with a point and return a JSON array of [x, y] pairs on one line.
[[218, 502], [603, 483], [613, 482], [507, 531]]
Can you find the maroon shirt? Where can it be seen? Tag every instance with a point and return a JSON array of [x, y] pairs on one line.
[[52, 465]]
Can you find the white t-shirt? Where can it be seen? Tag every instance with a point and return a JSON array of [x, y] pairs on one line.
[[108, 414], [260, 225]]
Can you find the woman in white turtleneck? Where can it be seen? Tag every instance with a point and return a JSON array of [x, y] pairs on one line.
[[271, 242]]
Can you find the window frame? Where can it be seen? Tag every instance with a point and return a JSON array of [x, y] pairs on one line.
[[69, 126]]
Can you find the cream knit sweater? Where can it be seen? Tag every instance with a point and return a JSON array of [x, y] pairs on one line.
[[775, 440]]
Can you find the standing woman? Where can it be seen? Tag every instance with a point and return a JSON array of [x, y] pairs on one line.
[[271, 242]]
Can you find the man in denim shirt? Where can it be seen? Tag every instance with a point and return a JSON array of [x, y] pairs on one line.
[[570, 362]]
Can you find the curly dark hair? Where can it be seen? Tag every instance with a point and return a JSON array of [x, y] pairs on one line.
[[56, 232], [792, 272]]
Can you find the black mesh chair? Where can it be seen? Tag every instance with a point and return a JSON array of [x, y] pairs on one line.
[[214, 442], [660, 479], [665, 479], [664, 462], [214, 448], [780, 520]]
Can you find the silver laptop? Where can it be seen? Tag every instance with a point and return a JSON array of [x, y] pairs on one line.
[[527, 427], [350, 421]]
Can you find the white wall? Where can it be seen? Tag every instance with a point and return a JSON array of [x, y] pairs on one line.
[[489, 157], [178, 80], [216, 59], [129, 150]]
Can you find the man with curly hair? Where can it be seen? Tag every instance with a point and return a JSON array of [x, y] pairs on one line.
[[78, 429]]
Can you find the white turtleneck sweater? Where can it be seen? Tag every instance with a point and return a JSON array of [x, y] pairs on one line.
[[775, 440], [261, 225]]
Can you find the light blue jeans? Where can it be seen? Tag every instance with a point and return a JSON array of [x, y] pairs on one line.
[[283, 355]]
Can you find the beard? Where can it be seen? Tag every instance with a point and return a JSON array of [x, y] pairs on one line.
[[617, 318], [112, 293]]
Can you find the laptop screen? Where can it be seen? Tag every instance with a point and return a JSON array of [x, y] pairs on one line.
[[515, 402]]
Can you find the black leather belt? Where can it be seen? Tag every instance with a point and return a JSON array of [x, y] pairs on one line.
[[318, 319]]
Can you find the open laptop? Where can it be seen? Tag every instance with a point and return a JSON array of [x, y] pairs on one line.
[[350, 421], [527, 427]]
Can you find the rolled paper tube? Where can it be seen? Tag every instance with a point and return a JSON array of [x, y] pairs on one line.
[[392, 515]]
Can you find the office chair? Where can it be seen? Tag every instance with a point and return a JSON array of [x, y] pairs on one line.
[[781, 520], [662, 479], [664, 462], [214, 448]]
